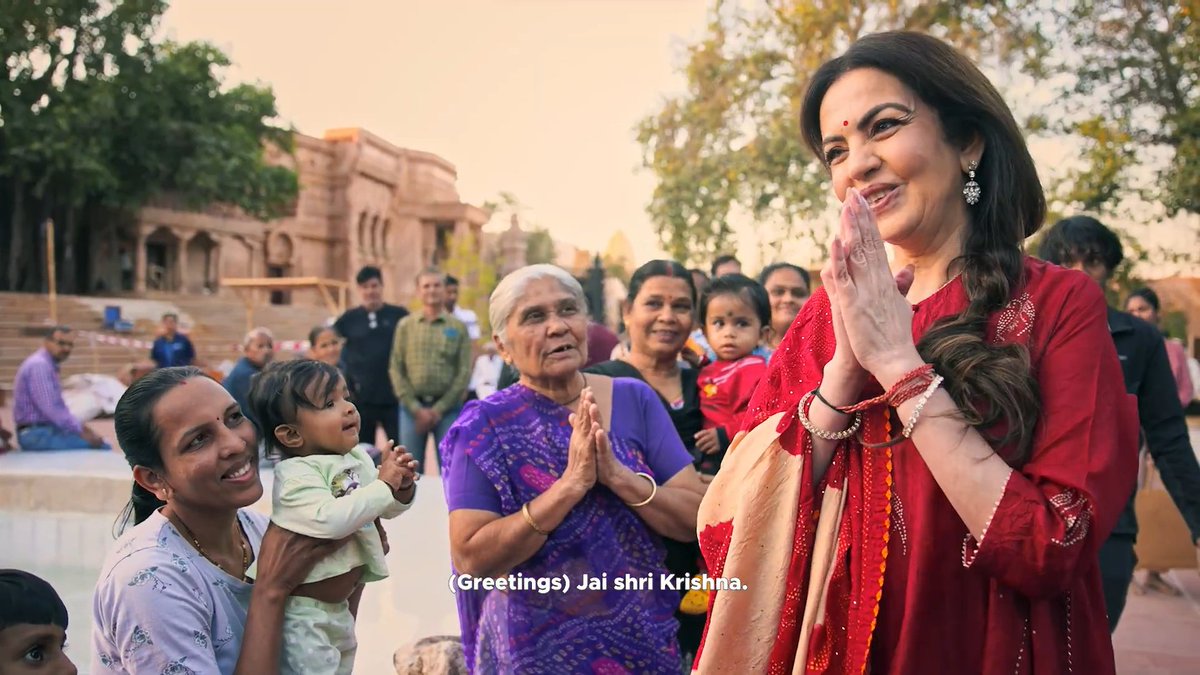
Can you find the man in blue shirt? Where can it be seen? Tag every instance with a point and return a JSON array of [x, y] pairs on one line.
[[172, 348], [258, 349]]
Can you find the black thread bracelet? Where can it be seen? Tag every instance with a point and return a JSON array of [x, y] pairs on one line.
[[829, 405]]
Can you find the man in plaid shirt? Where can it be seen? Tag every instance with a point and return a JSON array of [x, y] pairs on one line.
[[430, 367]]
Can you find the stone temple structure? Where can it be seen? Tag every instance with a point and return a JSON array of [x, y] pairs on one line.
[[362, 201]]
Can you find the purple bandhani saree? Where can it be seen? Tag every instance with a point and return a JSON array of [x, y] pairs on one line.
[[506, 450]]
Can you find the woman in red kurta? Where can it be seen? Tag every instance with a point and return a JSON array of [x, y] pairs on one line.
[[970, 544]]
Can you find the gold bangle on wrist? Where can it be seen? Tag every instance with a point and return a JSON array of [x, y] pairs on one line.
[[653, 490], [529, 519]]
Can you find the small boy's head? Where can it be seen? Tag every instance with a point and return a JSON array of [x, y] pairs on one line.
[[302, 408], [33, 626], [736, 314]]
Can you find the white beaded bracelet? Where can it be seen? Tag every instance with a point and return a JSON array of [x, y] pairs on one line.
[[912, 421], [821, 433]]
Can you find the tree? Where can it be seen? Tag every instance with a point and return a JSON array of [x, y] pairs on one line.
[[192, 138], [729, 147], [96, 117], [539, 247], [1124, 75], [504, 202], [617, 270], [51, 47], [1130, 98], [477, 278]]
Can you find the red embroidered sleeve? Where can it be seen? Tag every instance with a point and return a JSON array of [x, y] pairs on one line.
[[1057, 509]]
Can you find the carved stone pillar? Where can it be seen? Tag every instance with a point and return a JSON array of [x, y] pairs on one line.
[[428, 245], [139, 265], [181, 275], [257, 257], [214, 263]]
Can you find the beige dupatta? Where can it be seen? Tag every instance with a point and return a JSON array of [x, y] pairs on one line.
[[758, 490]]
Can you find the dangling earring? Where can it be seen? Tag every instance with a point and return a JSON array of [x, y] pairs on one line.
[[971, 190]]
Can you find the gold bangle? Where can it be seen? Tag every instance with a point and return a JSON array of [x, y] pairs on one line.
[[653, 490], [529, 519]]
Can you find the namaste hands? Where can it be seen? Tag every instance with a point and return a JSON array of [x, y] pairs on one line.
[[590, 458], [872, 320]]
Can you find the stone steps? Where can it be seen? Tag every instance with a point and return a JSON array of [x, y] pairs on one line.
[[215, 325]]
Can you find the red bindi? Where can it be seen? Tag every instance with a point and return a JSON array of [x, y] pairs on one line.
[[845, 123]]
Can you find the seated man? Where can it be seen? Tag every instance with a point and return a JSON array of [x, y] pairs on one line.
[[43, 420], [258, 349], [172, 348]]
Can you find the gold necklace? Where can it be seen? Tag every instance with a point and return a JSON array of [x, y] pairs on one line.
[[200, 549]]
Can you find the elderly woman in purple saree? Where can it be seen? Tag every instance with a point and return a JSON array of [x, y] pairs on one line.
[[564, 479]]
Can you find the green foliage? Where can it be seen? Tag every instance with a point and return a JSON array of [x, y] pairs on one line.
[[616, 270], [477, 279], [198, 140], [1108, 152], [94, 113], [539, 247], [1125, 74], [1131, 69], [505, 201], [731, 144]]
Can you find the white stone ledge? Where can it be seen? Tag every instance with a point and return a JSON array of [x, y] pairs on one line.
[[90, 482]]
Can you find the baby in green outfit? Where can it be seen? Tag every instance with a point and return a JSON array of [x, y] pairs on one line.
[[326, 487]]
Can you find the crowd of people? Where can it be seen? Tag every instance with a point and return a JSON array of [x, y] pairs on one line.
[[960, 420]]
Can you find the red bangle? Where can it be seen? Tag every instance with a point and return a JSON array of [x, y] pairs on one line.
[[913, 383]]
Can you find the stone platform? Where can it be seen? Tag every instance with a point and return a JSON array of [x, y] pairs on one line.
[[57, 512], [56, 519]]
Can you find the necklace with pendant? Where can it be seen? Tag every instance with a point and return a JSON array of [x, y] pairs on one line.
[[200, 549]]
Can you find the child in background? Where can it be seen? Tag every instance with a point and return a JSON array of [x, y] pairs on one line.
[[325, 345], [735, 313], [33, 627], [327, 487]]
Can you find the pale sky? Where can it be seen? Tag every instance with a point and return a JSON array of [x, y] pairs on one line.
[[536, 97]]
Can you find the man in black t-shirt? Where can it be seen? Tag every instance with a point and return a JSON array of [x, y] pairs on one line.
[[1085, 244], [369, 331]]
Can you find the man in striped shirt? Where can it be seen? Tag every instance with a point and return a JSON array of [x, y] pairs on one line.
[[43, 420]]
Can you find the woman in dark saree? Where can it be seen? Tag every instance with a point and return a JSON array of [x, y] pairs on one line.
[[659, 314]]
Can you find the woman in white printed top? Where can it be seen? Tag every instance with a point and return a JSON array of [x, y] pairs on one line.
[[173, 596]]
